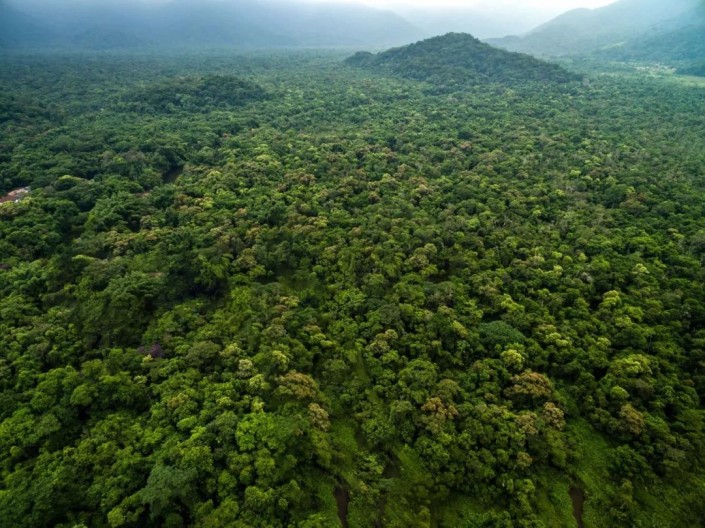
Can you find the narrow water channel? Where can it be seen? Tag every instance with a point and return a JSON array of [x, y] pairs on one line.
[[577, 496], [342, 497]]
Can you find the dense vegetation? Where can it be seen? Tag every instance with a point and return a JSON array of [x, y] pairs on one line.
[[194, 95], [698, 70], [341, 299], [457, 60]]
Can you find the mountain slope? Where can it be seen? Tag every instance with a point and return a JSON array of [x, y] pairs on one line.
[[18, 29], [678, 41], [458, 59], [586, 30]]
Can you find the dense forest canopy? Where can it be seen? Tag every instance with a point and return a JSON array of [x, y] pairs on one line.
[[299, 289], [698, 70], [194, 94]]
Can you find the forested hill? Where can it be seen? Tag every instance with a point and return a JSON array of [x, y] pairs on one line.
[[458, 59], [626, 24]]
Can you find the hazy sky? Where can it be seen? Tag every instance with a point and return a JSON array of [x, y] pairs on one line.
[[548, 7], [538, 4], [552, 5]]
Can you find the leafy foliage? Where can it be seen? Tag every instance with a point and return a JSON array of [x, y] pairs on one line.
[[350, 297], [195, 94]]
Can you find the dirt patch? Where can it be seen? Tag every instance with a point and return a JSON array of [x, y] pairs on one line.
[[577, 496], [342, 497], [15, 196]]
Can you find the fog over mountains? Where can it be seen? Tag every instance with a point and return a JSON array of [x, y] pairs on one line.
[[668, 31], [200, 23], [152, 24]]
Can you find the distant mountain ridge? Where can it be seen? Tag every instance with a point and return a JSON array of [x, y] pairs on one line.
[[482, 21], [458, 59], [202, 24], [18, 29], [627, 29]]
